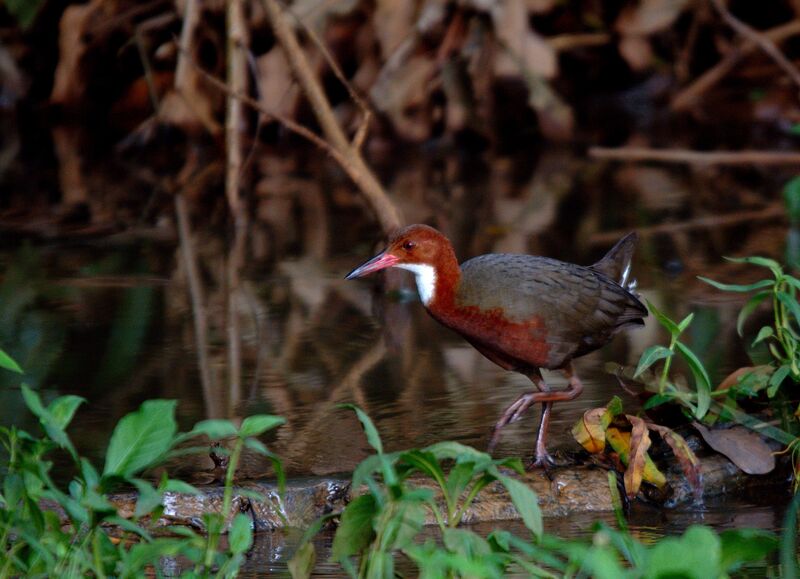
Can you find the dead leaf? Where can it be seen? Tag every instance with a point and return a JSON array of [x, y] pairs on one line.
[[526, 47], [277, 89], [649, 16], [742, 446], [590, 430], [640, 442], [620, 441], [393, 23], [686, 457]]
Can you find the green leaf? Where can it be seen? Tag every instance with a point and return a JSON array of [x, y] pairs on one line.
[[791, 198], [730, 287], [792, 281], [302, 562], [373, 438], [650, 356], [257, 446], [458, 452], [141, 438], [749, 308], [149, 497], [178, 486], [458, 478], [256, 425], [355, 530], [9, 363], [745, 545], [763, 334], [24, 11], [773, 265], [407, 520], [33, 402], [790, 302], [63, 409], [685, 322], [702, 381], [526, 503], [425, 462], [240, 537], [215, 429], [671, 326], [695, 554], [777, 379]]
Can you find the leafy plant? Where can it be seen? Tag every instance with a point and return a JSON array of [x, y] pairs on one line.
[[35, 540], [697, 401], [385, 520], [782, 338]]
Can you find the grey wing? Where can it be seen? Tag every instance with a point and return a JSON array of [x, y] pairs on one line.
[[581, 308]]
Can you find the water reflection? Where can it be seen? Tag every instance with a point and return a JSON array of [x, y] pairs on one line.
[[110, 317]]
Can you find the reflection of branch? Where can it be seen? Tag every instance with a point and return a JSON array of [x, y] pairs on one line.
[[772, 211], [750, 157], [198, 301], [759, 39], [354, 164], [349, 384], [237, 79]]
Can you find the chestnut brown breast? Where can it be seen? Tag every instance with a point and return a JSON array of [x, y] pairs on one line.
[[523, 310]]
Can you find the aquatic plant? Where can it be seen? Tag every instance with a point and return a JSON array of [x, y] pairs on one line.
[[380, 529], [48, 529]]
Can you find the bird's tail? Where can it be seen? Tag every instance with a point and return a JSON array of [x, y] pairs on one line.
[[616, 264]]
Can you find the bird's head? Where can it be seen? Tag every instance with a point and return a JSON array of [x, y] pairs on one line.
[[416, 248]]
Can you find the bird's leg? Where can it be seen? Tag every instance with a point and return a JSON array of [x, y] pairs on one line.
[[519, 406], [547, 398]]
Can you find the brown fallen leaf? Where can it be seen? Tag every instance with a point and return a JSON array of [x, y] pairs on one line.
[[743, 447], [620, 441], [640, 442], [590, 430], [686, 457]]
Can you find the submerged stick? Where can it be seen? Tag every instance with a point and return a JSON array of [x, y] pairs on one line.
[[198, 300], [747, 157]]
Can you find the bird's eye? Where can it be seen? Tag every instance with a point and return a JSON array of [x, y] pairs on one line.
[[409, 245]]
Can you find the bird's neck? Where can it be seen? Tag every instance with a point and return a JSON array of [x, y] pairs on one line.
[[436, 283]]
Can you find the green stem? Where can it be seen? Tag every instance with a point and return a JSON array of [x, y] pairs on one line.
[[667, 363], [476, 488], [227, 498], [98, 557]]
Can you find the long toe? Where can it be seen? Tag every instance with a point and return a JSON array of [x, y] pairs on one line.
[[541, 460]]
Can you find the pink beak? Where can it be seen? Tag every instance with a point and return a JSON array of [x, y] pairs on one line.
[[377, 263]]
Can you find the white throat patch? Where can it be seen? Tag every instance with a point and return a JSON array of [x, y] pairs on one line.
[[426, 279]]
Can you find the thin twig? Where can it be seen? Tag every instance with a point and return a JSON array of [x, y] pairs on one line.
[[748, 157], [191, 16], [290, 124], [198, 301], [354, 164], [712, 76], [758, 38]]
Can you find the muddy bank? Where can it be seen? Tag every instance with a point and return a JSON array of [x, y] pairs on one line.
[[569, 490]]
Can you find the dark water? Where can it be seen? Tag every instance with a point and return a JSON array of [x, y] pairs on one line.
[[108, 316]]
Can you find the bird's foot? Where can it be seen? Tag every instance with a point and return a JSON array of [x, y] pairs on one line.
[[541, 460]]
